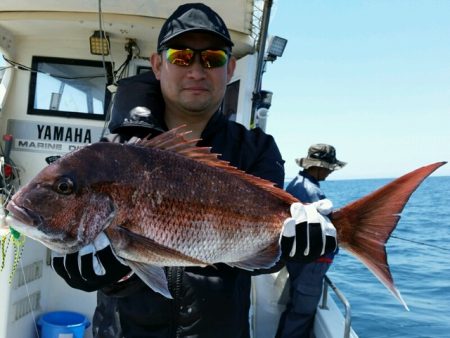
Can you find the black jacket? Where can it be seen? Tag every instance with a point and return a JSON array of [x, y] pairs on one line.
[[208, 302]]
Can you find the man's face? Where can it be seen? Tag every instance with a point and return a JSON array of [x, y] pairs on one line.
[[192, 90], [319, 173], [323, 173]]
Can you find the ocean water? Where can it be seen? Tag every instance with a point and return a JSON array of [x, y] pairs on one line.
[[419, 258]]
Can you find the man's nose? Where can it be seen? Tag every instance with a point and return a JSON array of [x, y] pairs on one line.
[[196, 68]]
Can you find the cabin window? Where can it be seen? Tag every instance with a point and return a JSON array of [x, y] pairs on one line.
[[2, 67], [138, 66], [230, 101], [3, 81], [69, 88]]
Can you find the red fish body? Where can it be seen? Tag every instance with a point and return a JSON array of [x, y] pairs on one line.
[[165, 202]]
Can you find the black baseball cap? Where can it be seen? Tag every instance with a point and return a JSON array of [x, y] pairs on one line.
[[193, 17]]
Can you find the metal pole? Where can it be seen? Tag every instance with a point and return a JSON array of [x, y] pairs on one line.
[[261, 50]]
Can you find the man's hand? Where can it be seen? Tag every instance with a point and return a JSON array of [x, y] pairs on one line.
[[95, 266], [308, 233]]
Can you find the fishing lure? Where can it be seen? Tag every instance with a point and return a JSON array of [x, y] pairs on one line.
[[9, 181], [18, 241]]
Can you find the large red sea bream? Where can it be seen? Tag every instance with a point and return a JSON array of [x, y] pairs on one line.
[[166, 202]]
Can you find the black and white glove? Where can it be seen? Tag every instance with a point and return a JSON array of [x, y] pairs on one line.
[[308, 233], [93, 267]]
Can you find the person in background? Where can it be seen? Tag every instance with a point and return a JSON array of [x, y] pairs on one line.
[[306, 279], [191, 69]]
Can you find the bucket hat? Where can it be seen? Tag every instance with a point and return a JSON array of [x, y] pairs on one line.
[[321, 155]]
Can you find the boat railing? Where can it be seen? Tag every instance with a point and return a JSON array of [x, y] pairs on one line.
[[324, 304]]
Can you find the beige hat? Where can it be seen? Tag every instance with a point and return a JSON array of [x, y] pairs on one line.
[[321, 155]]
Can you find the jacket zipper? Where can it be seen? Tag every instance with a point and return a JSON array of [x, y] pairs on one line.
[[174, 280]]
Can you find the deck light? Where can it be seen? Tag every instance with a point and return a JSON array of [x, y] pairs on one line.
[[276, 48], [99, 42]]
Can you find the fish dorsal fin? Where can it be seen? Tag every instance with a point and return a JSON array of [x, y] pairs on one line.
[[174, 140]]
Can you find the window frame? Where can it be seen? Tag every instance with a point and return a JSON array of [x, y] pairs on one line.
[[32, 95]]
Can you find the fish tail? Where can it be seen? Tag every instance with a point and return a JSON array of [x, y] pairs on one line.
[[365, 225]]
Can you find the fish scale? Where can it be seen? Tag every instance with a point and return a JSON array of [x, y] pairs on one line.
[[206, 209]]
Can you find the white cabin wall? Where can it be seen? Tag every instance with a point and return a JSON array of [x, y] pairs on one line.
[[6, 295], [7, 46], [245, 72], [17, 103], [55, 294]]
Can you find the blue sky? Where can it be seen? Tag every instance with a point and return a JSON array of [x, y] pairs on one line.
[[370, 77]]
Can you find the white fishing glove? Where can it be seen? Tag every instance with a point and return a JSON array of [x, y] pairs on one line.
[[308, 233], [100, 243], [93, 267]]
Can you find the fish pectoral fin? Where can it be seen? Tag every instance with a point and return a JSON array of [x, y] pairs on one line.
[[153, 276], [264, 259], [138, 243]]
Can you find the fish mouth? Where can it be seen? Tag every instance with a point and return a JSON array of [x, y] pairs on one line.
[[28, 223], [23, 215]]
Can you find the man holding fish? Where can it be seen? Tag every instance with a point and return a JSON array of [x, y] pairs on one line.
[[168, 233], [194, 298]]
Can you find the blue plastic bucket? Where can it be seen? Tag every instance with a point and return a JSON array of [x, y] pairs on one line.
[[63, 324]]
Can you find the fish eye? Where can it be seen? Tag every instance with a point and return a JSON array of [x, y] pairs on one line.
[[64, 186]]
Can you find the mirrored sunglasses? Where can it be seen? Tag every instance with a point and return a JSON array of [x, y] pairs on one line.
[[209, 58]]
